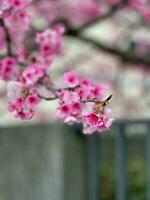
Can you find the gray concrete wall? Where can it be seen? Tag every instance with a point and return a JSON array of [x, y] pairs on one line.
[[42, 163]]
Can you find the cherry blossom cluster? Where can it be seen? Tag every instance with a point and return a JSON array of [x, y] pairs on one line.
[[17, 19], [8, 66], [83, 102], [25, 67], [24, 101], [50, 44]]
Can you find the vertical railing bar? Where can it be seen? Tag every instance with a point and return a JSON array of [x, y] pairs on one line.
[[121, 153], [148, 161], [93, 166]]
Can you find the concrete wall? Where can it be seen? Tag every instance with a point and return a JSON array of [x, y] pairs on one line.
[[42, 163]]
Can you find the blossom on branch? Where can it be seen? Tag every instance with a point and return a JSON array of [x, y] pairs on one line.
[[25, 62]]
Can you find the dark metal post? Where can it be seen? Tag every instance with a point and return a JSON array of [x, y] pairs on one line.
[[93, 166], [148, 162], [121, 163]]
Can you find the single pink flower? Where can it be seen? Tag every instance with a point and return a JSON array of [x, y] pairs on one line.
[[92, 119], [32, 101], [32, 74], [76, 108], [63, 111], [18, 4], [7, 67], [25, 115], [105, 124], [69, 96], [70, 120], [71, 79]]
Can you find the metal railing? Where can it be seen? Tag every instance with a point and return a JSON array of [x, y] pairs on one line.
[[94, 161]]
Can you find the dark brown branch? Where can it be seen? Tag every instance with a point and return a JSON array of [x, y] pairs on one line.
[[126, 56], [48, 98], [9, 43], [100, 18], [7, 37], [67, 88], [103, 17], [97, 100], [82, 101]]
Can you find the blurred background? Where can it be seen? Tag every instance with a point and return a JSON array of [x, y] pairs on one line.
[[109, 41]]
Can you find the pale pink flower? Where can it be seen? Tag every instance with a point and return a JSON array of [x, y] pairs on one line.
[[32, 101], [18, 4], [98, 91], [76, 108], [69, 96], [105, 124], [71, 79], [25, 115], [17, 104], [70, 120], [92, 119], [7, 67], [63, 111], [85, 81], [50, 43], [93, 122], [24, 106], [60, 29], [32, 74], [87, 129]]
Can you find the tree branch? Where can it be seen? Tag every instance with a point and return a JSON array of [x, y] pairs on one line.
[[7, 37], [103, 17], [48, 98], [126, 56]]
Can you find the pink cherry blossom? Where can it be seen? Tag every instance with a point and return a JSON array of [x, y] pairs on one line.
[[94, 122], [69, 96], [32, 74], [7, 68], [63, 111], [18, 4], [76, 108], [24, 106], [105, 124], [92, 119], [70, 120], [31, 39], [71, 79], [32, 101], [16, 104], [50, 43], [25, 115], [98, 91], [87, 129]]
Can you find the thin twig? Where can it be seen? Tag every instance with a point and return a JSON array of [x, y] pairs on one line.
[[48, 98], [103, 17]]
